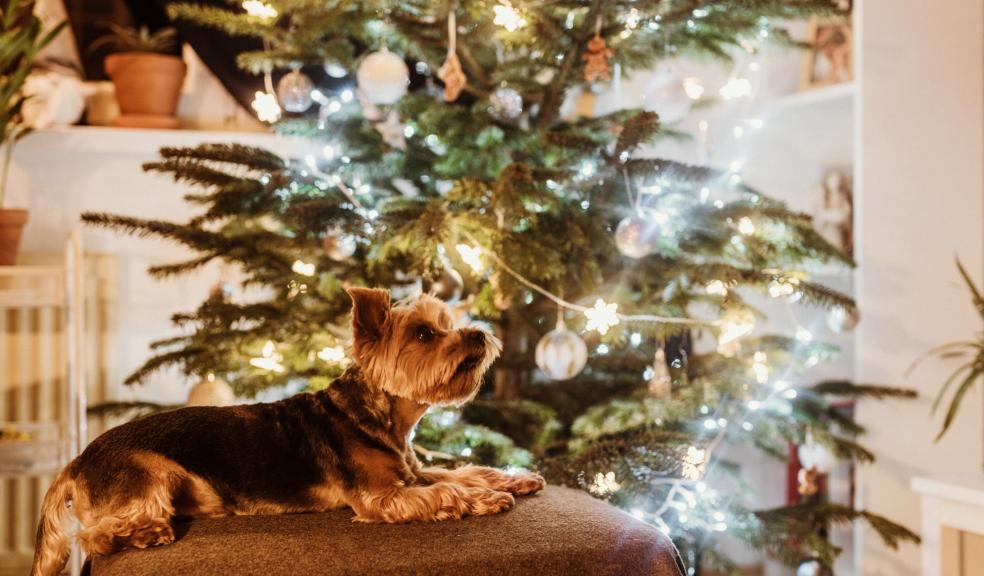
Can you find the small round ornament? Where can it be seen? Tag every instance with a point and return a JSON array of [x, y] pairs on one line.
[[561, 354], [383, 77], [211, 391], [294, 92], [334, 69], [506, 104], [448, 286], [839, 319], [634, 237], [338, 245], [668, 97]]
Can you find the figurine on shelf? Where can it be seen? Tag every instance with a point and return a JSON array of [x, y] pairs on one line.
[[833, 216]]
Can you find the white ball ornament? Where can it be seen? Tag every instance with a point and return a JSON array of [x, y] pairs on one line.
[[668, 97], [561, 354], [634, 237], [839, 319], [211, 391], [294, 92], [506, 104], [383, 77]]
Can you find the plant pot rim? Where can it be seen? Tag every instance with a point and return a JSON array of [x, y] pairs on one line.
[[13, 216], [126, 55]]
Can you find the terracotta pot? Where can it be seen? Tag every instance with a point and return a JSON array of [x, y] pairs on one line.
[[148, 87], [12, 224]]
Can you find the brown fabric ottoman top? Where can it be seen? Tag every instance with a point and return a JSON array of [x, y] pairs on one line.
[[557, 532]]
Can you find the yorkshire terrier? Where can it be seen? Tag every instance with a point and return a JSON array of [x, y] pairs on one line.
[[348, 445]]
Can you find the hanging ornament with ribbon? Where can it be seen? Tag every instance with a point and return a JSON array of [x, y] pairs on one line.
[[596, 58], [450, 72], [661, 384]]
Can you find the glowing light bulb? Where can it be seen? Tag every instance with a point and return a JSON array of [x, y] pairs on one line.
[[602, 316], [269, 359], [332, 354], [693, 463], [507, 17], [693, 87], [259, 9], [736, 87], [303, 268], [266, 107], [472, 256], [604, 484], [746, 226], [717, 288], [760, 368]]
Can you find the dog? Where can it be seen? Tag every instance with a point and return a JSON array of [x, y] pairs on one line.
[[348, 445]]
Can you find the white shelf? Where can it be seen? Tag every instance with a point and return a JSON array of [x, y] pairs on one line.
[[146, 142], [838, 95]]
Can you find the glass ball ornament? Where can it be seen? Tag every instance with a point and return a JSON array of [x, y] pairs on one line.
[[338, 245], [506, 104], [211, 391], [383, 77], [840, 319], [294, 92], [634, 236], [561, 354], [668, 97], [447, 287]]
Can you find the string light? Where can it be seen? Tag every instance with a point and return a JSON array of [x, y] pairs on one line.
[[736, 87], [693, 463], [760, 367], [604, 484], [332, 354], [266, 107], [746, 226], [259, 9], [716, 288], [602, 316], [303, 268], [693, 87], [270, 359], [472, 256], [508, 17]]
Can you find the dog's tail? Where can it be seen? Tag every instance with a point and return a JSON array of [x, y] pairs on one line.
[[53, 544]]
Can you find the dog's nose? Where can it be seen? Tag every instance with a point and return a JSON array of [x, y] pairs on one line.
[[477, 337]]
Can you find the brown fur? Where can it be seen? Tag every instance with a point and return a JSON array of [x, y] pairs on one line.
[[345, 446]]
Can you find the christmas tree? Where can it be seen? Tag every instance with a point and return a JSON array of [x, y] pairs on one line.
[[554, 227]]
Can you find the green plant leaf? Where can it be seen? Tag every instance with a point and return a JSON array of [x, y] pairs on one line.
[[958, 398]]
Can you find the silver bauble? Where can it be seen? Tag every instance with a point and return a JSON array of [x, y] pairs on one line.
[[812, 568], [211, 391], [561, 354], [383, 77], [634, 237], [839, 319], [505, 104], [448, 286], [667, 97], [294, 92]]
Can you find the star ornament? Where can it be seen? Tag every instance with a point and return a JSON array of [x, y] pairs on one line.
[[602, 316]]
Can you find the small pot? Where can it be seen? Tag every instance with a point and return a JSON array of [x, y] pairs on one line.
[[148, 87], [12, 224]]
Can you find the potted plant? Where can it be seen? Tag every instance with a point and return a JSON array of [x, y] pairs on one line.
[[21, 39], [146, 74]]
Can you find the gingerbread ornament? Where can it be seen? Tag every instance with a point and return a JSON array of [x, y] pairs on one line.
[[450, 72], [596, 59]]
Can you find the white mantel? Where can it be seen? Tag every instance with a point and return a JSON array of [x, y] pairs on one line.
[[957, 505]]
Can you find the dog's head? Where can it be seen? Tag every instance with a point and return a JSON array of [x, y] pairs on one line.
[[412, 350]]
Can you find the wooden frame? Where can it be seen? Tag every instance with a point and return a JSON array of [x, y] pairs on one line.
[[831, 43]]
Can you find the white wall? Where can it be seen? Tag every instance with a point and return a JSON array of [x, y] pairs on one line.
[[921, 202]]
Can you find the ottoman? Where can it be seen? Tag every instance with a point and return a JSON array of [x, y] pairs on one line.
[[557, 532]]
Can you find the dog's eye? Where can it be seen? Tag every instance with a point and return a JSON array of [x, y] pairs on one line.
[[425, 334]]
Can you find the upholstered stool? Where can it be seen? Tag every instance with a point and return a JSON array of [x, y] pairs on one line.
[[557, 532]]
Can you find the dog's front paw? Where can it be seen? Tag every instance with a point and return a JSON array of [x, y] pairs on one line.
[[486, 502], [524, 483]]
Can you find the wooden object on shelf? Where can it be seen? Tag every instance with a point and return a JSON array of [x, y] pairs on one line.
[[830, 58]]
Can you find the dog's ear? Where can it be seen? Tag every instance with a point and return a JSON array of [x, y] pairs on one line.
[[370, 310]]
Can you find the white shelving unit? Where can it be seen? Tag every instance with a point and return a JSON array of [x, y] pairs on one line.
[[40, 448]]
